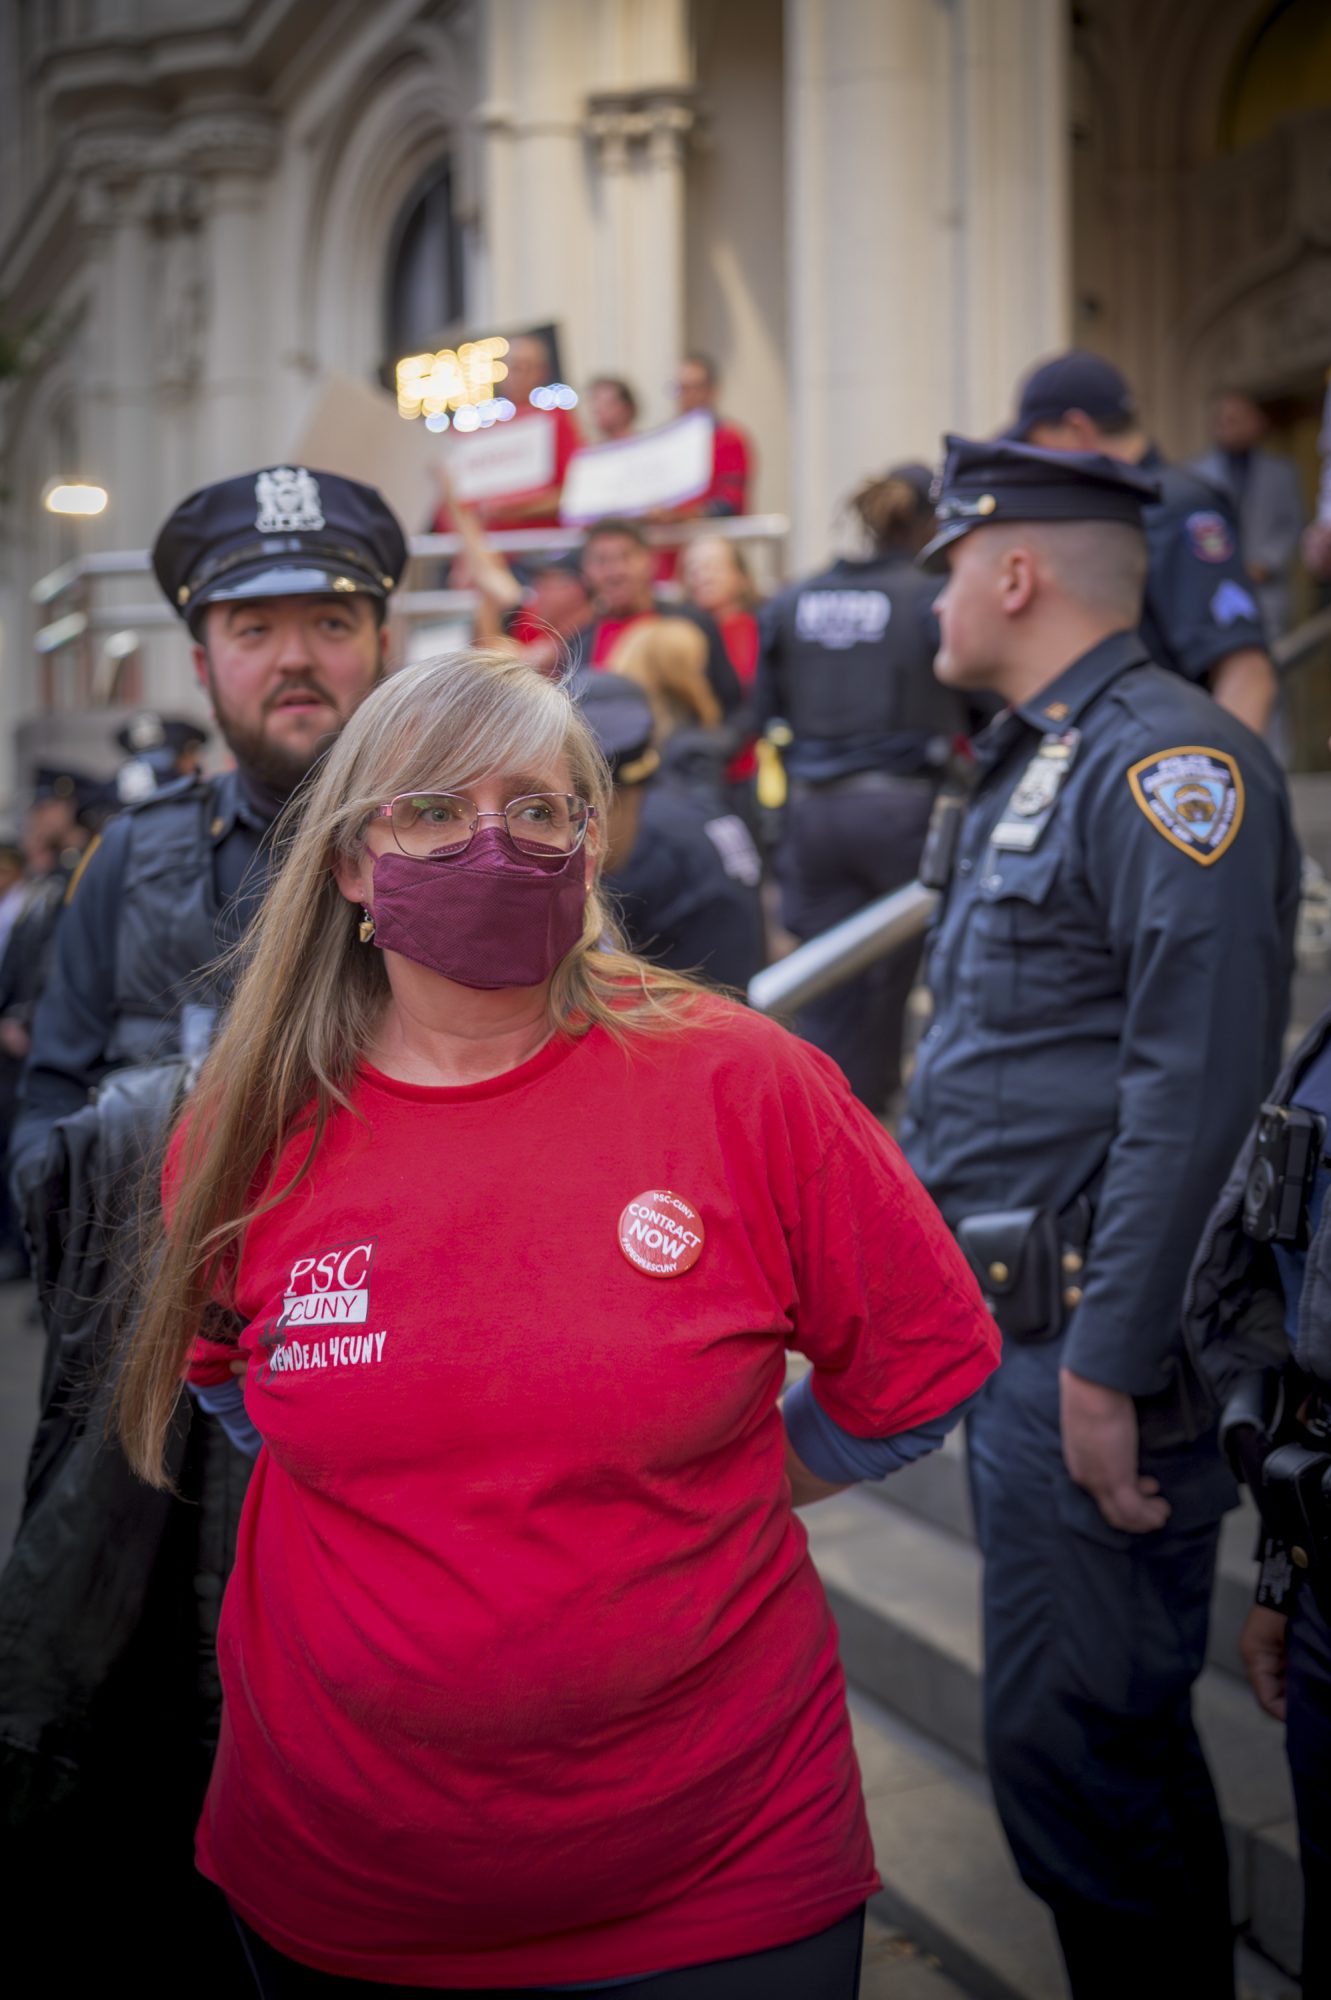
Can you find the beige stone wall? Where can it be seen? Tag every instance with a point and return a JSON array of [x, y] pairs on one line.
[[736, 275]]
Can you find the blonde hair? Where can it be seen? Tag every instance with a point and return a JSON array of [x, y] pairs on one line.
[[667, 659], [311, 995]]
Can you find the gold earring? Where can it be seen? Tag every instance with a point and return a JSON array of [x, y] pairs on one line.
[[366, 926]]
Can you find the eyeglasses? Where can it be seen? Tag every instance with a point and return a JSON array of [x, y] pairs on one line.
[[439, 825]]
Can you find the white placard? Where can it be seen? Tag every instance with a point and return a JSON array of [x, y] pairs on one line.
[[633, 475], [505, 461]]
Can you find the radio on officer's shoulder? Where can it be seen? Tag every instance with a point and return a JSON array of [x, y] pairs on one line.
[[1286, 1156]]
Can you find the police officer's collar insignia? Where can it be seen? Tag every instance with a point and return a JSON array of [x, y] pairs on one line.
[[288, 501], [1031, 805], [1193, 796]]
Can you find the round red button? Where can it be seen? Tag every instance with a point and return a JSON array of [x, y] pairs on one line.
[[661, 1233]]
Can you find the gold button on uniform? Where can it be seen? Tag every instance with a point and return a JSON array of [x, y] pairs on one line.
[[999, 1273], [1299, 1557], [1072, 1296], [216, 827]]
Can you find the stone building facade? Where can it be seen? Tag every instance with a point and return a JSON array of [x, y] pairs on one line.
[[875, 213]]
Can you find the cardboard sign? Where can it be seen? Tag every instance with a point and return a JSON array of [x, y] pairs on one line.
[[634, 475], [354, 429], [505, 462]]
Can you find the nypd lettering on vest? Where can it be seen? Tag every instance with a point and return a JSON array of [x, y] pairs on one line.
[[841, 618]]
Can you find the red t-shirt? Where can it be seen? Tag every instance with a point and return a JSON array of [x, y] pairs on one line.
[[732, 465], [739, 635], [529, 1678], [607, 632], [731, 455]]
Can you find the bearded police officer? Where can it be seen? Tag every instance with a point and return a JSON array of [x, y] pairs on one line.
[[282, 577], [1109, 969], [1199, 615], [109, 1697], [1258, 1319], [845, 660]]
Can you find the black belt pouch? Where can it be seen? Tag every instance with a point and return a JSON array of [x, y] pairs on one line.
[[1015, 1254], [1294, 1499]]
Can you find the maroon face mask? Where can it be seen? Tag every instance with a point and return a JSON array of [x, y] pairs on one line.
[[490, 917]]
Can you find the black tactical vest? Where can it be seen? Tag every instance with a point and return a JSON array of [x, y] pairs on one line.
[[171, 928]]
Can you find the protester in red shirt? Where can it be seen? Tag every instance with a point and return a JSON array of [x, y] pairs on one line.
[[614, 407], [530, 366], [716, 580], [619, 566], [696, 387], [529, 1679]]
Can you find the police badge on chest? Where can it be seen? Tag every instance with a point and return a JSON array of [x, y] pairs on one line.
[[1031, 806]]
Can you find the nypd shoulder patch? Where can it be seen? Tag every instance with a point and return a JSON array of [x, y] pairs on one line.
[[1209, 537], [1193, 796]]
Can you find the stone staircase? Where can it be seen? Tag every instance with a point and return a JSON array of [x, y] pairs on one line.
[[902, 1573]]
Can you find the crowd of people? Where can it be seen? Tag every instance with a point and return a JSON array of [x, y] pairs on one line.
[[410, 1587]]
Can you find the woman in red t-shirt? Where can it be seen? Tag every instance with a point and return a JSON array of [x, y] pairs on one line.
[[529, 1680], [716, 578]]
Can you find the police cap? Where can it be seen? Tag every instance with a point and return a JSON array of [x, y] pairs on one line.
[[148, 731], [281, 532], [986, 481], [1078, 380], [88, 798], [620, 718]]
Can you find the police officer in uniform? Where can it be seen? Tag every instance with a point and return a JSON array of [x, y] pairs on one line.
[[1200, 615], [158, 749], [846, 661], [282, 578], [1109, 969], [682, 872], [1258, 1320]]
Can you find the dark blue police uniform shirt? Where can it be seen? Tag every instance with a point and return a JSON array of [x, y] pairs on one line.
[[1199, 605], [688, 894], [76, 1014], [1108, 1006]]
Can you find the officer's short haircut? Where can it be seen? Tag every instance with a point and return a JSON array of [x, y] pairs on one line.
[[1117, 423], [704, 361], [1100, 563]]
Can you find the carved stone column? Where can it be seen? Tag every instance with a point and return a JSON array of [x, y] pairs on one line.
[[229, 155], [926, 200], [116, 414], [638, 140]]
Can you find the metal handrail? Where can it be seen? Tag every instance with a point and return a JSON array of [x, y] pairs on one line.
[[63, 628], [1292, 648], [850, 947], [507, 541], [836, 955]]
